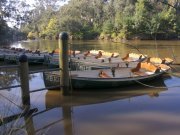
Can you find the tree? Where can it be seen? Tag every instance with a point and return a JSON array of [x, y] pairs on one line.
[[14, 12], [141, 16], [83, 19], [108, 27], [52, 28]]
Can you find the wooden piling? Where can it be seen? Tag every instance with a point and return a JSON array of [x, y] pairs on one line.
[[67, 120], [24, 78], [63, 63]]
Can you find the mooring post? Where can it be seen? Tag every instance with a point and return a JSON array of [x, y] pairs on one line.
[[63, 63], [67, 120], [24, 78]]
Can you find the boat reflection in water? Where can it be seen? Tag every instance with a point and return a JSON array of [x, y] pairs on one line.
[[79, 98]]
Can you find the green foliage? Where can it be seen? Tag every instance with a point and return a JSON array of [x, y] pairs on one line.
[[51, 30], [78, 35], [141, 17], [32, 35], [122, 34], [102, 35], [84, 19], [88, 32], [16, 11], [108, 27], [113, 35]]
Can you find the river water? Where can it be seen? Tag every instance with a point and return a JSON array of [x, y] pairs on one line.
[[139, 109]]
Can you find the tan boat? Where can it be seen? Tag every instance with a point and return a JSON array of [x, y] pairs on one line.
[[134, 57], [108, 78], [157, 60]]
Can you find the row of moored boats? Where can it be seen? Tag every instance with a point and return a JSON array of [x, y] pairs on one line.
[[100, 69]]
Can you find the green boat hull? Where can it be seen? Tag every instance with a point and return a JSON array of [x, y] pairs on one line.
[[96, 83]]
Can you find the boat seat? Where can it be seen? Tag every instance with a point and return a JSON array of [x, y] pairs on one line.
[[145, 68], [168, 60], [148, 66], [126, 57], [132, 57], [99, 55], [102, 74], [87, 53], [140, 73], [164, 67], [155, 60]]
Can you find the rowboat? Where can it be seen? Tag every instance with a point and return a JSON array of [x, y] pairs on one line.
[[108, 78], [99, 59], [94, 59], [12, 56], [77, 58], [32, 58], [157, 60], [35, 58], [1, 57], [134, 57], [52, 59]]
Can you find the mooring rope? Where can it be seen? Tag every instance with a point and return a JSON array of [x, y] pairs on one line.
[[136, 49], [151, 86]]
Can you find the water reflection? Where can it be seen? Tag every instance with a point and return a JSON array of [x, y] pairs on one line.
[[136, 109], [8, 77], [80, 97], [29, 125], [145, 46], [133, 110], [151, 48], [68, 105]]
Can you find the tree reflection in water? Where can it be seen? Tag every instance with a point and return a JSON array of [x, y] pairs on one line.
[[8, 77]]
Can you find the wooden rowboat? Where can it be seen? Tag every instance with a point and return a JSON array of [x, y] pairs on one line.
[[1, 57], [134, 57], [107, 78], [157, 60], [94, 59], [52, 59], [99, 59], [86, 58], [12, 55]]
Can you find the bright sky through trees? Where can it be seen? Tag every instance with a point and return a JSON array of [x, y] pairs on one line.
[[61, 2], [12, 23]]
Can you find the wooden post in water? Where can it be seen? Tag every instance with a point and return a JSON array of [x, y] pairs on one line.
[[63, 63], [67, 120], [24, 78]]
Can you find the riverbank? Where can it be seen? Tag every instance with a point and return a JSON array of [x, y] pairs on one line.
[[158, 36]]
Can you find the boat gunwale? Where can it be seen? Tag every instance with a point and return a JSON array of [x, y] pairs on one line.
[[130, 78]]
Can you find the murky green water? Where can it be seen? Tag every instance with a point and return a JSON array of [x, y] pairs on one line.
[[138, 110]]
